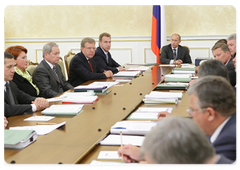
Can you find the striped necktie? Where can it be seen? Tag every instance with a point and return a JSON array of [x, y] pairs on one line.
[[55, 72]]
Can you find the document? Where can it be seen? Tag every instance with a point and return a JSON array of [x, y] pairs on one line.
[[40, 129], [39, 118], [116, 140], [141, 68], [148, 113], [132, 127], [94, 162], [156, 95], [109, 155], [18, 139], [80, 99], [63, 110]]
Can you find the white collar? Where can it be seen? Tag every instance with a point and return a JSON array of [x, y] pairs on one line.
[[218, 130], [51, 66]]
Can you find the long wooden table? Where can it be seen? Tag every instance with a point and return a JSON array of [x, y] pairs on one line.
[[79, 137]]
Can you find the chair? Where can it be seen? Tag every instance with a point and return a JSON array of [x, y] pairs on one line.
[[61, 64], [31, 66], [68, 59], [187, 48]]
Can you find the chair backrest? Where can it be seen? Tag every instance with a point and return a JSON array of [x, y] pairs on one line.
[[187, 48], [31, 66], [68, 59], [61, 64]]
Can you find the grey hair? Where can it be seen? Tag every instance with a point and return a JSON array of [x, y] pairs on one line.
[[47, 48], [215, 92], [177, 140], [213, 67], [232, 37]]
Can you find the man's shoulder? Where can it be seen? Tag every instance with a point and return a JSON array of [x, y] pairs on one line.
[[99, 52]]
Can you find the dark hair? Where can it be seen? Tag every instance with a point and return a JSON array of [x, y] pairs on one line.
[[6, 55]]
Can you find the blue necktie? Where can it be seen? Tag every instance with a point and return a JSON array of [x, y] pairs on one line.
[[107, 57]]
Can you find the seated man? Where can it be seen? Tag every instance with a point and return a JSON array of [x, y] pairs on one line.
[[175, 53], [16, 102], [231, 42], [82, 68], [103, 57], [221, 52], [175, 140], [48, 75], [214, 110]]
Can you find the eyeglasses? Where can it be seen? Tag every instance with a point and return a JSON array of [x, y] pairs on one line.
[[190, 110], [90, 48]]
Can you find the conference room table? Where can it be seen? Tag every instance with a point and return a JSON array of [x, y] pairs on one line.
[[77, 141]]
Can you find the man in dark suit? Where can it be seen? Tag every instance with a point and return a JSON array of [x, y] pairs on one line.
[[221, 52], [213, 108], [83, 68], [17, 102], [231, 42], [186, 143], [175, 53], [48, 75], [103, 57]]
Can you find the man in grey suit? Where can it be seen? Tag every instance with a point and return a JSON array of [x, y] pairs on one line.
[[48, 75], [175, 53]]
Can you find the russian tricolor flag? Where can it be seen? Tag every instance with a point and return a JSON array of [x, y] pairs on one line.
[[158, 30]]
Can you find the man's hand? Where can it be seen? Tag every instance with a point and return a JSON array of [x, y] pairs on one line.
[[40, 103], [130, 153]]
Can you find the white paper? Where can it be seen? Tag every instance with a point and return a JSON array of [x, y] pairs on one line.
[[143, 115], [178, 75], [109, 155], [39, 118], [65, 108], [116, 140], [40, 129], [94, 162]]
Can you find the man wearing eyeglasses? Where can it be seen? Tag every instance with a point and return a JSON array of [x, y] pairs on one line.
[[83, 68]]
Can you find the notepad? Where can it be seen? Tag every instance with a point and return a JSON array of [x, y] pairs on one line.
[[18, 139], [80, 99], [168, 86], [132, 127], [39, 118], [109, 155], [63, 110]]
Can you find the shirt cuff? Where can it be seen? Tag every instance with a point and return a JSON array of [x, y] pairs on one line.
[[34, 108], [171, 62]]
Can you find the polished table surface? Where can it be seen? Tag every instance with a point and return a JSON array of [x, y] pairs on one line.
[[72, 143]]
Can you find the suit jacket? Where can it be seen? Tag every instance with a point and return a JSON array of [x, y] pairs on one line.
[[225, 143], [46, 80], [24, 85], [80, 70], [182, 54], [21, 99], [224, 160], [231, 72], [100, 59]]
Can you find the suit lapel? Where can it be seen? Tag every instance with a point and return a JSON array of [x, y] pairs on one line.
[[85, 61], [51, 71]]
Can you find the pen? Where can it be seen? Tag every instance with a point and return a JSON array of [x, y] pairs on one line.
[[121, 143], [45, 123]]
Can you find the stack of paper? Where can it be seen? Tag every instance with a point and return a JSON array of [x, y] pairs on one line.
[[63, 110], [141, 68], [18, 139], [183, 71], [148, 113], [126, 75], [162, 97], [99, 89], [80, 99], [124, 139], [172, 86], [132, 127], [178, 78], [71, 94]]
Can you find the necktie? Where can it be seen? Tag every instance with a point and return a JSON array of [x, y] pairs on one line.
[[9, 93], [107, 57], [174, 54], [55, 72], [90, 63]]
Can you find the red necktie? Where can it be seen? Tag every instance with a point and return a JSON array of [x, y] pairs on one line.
[[90, 63]]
